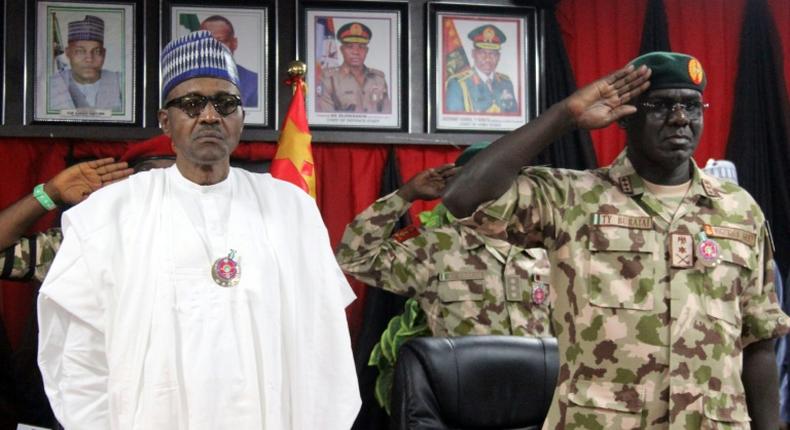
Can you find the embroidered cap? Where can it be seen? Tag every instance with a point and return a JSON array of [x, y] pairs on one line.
[[354, 32], [673, 70], [196, 55], [90, 28], [722, 169], [487, 37]]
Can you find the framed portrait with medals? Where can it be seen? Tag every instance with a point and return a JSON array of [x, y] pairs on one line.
[[484, 68], [354, 54], [85, 62]]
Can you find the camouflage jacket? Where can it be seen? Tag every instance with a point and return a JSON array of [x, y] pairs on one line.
[[463, 283], [31, 256], [649, 336]]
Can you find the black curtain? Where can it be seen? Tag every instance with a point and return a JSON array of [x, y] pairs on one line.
[[655, 31], [574, 150], [380, 307], [759, 141]]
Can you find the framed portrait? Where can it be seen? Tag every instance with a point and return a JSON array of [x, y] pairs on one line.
[[244, 28], [355, 78], [484, 67], [85, 62]]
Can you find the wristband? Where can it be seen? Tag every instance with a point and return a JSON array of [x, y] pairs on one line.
[[43, 198]]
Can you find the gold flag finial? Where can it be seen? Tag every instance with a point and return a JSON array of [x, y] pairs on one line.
[[297, 71]]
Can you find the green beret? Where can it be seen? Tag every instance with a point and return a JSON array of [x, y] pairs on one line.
[[673, 70], [470, 152]]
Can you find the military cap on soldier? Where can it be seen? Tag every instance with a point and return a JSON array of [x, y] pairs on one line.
[[354, 32], [196, 55], [487, 37], [673, 70], [470, 152], [90, 28]]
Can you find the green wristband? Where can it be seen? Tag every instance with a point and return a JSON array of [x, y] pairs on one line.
[[43, 198]]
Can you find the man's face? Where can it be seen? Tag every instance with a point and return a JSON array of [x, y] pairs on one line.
[[86, 58], [486, 59], [208, 138], [354, 53], [665, 138], [221, 32]]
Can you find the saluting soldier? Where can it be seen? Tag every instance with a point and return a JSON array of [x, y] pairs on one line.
[[482, 89], [353, 86], [466, 284], [664, 301]]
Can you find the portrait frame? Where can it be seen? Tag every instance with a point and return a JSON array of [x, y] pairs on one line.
[[465, 93], [250, 21], [57, 94], [337, 100]]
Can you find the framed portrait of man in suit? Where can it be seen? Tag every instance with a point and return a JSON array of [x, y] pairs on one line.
[[484, 68], [354, 70], [85, 62], [244, 29]]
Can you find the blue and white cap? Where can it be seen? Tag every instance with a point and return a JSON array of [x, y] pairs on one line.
[[90, 28], [722, 169], [196, 55]]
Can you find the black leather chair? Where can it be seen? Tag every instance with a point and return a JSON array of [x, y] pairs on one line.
[[474, 382]]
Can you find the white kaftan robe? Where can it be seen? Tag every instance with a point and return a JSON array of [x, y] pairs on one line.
[[135, 334]]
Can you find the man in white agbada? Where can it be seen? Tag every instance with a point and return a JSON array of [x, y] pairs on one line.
[[198, 296]]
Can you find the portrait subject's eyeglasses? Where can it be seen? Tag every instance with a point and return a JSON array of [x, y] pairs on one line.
[[193, 104], [662, 108]]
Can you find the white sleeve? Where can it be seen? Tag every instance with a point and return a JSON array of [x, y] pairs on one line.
[[71, 343]]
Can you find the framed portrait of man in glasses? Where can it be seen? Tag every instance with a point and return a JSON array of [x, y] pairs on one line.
[[85, 62], [244, 28]]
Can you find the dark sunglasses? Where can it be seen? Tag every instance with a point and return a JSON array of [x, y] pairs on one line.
[[193, 104]]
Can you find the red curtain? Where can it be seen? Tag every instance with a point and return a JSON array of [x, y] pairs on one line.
[[600, 36]]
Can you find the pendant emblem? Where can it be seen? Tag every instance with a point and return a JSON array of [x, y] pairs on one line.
[[538, 293], [708, 251], [226, 271]]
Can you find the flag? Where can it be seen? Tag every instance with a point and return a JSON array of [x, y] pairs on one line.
[[58, 62], [189, 21], [293, 161], [455, 59]]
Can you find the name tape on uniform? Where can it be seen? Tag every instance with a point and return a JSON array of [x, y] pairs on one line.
[[640, 222], [462, 276], [740, 235]]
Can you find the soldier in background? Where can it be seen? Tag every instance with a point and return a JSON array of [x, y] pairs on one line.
[[664, 302], [482, 89], [466, 284], [353, 86], [463, 283]]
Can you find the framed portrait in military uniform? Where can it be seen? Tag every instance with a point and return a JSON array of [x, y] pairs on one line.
[[484, 70], [354, 71], [85, 62], [244, 27]]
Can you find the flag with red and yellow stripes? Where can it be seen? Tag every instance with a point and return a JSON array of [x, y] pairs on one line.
[[293, 161]]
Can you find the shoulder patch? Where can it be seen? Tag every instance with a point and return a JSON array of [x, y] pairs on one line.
[[406, 233]]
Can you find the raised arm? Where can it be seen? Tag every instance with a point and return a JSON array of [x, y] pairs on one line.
[[597, 105], [70, 186], [366, 250]]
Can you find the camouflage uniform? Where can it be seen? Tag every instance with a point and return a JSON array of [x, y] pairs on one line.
[[648, 336], [31, 256], [339, 91], [465, 285]]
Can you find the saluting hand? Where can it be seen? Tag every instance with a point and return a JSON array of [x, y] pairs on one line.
[[605, 101], [428, 184], [75, 183]]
